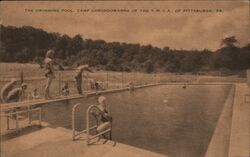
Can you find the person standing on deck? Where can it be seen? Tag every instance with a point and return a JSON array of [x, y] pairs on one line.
[[131, 86], [49, 73], [78, 76], [97, 87]]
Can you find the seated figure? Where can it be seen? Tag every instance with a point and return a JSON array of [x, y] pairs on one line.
[[103, 114], [35, 94], [65, 89]]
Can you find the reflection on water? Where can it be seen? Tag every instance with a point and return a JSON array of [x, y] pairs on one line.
[[182, 127]]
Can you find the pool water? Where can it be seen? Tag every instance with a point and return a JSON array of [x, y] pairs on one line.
[[166, 119]]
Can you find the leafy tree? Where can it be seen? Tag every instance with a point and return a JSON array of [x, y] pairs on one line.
[[149, 67], [229, 41], [28, 44]]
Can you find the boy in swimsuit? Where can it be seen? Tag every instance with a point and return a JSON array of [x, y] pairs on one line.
[[78, 77]]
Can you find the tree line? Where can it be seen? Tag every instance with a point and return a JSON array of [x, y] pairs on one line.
[[28, 44]]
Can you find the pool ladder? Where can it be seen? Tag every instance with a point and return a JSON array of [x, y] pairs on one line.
[[88, 127]]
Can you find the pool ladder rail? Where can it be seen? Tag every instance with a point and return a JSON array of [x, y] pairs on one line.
[[90, 111]]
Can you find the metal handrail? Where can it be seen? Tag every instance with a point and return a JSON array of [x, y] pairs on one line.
[[7, 115], [75, 134], [73, 120], [88, 127]]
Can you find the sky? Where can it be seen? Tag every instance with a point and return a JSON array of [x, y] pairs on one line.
[[175, 29]]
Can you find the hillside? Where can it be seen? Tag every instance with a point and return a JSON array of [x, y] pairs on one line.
[[27, 44]]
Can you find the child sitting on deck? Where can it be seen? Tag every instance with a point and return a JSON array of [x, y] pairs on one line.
[[35, 94], [65, 89]]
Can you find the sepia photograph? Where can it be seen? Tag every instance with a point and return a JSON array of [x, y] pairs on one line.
[[125, 78]]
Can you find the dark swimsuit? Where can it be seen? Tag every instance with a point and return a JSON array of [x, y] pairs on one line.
[[105, 118], [48, 69]]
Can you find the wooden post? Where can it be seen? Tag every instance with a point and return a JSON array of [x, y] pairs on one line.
[[59, 85], [107, 79], [87, 80], [134, 80], [8, 122], [40, 117], [17, 123], [155, 78], [29, 115], [122, 79], [21, 77]]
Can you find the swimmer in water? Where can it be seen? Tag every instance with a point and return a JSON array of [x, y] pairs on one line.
[[184, 86], [165, 101]]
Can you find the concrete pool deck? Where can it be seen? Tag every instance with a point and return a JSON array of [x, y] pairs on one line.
[[57, 142], [240, 131]]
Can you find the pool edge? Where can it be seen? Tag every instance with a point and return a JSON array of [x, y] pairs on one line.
[[219, 143]]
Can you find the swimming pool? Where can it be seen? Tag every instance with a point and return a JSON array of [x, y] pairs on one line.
[[182, 127]]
